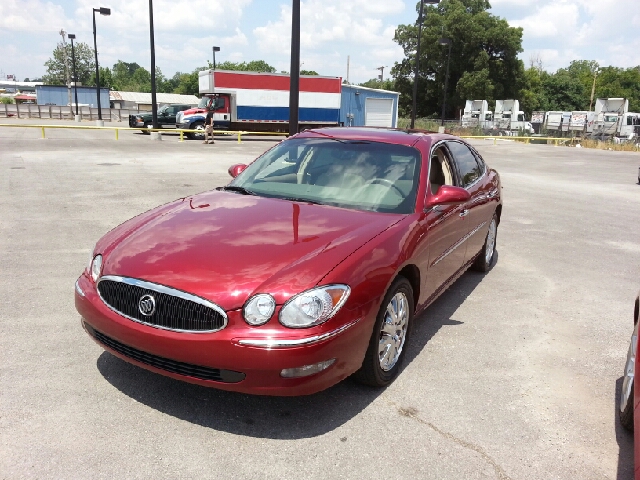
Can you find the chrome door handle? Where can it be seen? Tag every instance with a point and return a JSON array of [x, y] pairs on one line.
[[464, 213]]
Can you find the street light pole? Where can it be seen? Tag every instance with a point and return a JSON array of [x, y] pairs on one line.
[[72, 37], [294, 78], [445, 41], [154, 103], [417, 62], [105, 12], [215, 49]]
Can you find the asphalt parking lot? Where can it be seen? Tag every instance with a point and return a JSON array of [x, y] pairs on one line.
[[510, 375]]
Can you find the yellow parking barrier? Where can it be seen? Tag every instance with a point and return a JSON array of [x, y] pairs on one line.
[[181, 132], [527, 140]]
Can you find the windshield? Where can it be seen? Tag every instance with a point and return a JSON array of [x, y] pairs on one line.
[[359, 175], [163, 109], [204, 102]]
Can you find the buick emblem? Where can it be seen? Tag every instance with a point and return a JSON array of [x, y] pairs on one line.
[[147, 305]]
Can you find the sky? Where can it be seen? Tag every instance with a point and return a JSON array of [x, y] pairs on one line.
[[555, 31]]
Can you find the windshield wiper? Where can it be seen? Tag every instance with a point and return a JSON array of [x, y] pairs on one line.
[[301, 200], [233, 188]]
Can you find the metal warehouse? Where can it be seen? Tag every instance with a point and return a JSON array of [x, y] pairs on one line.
[[59, 95], [362, 106], [142, 101]]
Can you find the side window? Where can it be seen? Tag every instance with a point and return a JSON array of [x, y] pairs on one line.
[[468, 167], [440, 172]]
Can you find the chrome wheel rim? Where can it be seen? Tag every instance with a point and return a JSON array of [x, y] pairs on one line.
[[491, 242], [200, 131], [629, 371], [393, 332]]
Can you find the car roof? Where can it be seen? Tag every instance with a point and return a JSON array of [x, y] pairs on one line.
[[385, 135]]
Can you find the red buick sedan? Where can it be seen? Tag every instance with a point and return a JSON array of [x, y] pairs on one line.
[[307, 268]]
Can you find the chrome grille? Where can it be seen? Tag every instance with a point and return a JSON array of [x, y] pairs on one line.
[[173, 309], [166, 364]]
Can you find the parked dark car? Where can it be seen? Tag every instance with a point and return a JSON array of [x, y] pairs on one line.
[[308, 267], [166, 117]]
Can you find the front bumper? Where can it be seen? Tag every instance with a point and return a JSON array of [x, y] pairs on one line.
[[248, 359]]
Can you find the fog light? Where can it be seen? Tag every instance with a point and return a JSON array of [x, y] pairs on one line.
[[307, 369]]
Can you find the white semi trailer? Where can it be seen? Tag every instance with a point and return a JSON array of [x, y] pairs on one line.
[[509, 119], [609, 113], [477, 114]]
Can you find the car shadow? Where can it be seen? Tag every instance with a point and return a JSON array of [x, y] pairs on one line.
[[624, 439], [281, 418]]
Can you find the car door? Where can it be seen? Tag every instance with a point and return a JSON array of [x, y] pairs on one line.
[[442, 229], [477, 211], [168, 118]]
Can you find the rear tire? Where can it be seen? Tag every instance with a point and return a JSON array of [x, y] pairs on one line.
[[387, 346], [484, 262], [625, 408]]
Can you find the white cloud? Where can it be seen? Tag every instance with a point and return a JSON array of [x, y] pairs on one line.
[[551, 20], [197, 16], [325, 22], [33, 16]]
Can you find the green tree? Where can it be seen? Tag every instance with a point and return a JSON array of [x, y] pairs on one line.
[[308, 72], [484, 57], [106, 79], [122, 73], [85, 65], [252, 66], [387, 84], [187, 83]]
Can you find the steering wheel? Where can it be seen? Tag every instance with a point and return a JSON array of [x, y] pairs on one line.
[[387, 182]]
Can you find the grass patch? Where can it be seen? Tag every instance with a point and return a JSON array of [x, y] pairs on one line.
[[600, 145]]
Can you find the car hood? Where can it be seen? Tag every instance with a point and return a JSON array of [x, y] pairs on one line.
[[225, 246], [192, 111]]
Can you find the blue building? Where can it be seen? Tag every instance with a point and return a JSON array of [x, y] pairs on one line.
[[59, 95], [362, 106]]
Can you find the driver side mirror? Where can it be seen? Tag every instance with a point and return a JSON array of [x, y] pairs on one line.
[[237, 169], [448, 195]]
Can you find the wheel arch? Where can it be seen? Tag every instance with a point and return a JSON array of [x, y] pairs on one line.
[[412, 274]]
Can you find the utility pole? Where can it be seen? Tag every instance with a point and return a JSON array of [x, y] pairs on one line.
[[593, 88], [381, 77], [294, 76], [66, 64], [348, 61]]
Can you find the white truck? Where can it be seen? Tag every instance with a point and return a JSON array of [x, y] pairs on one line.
[[609, 113], [581, 122], [508, 119], [629, 127], [477, 114], [537, 121]]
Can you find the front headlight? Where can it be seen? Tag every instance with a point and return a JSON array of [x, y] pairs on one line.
[[314, 307], [96, 267], [258, 309]]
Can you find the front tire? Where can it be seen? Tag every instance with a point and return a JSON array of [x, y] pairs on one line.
[[484, 262], [198, 135], [146, 128], [386, 349]]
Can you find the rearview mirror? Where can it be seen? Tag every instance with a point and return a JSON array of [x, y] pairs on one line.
[[448, 195], [237, 169]]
